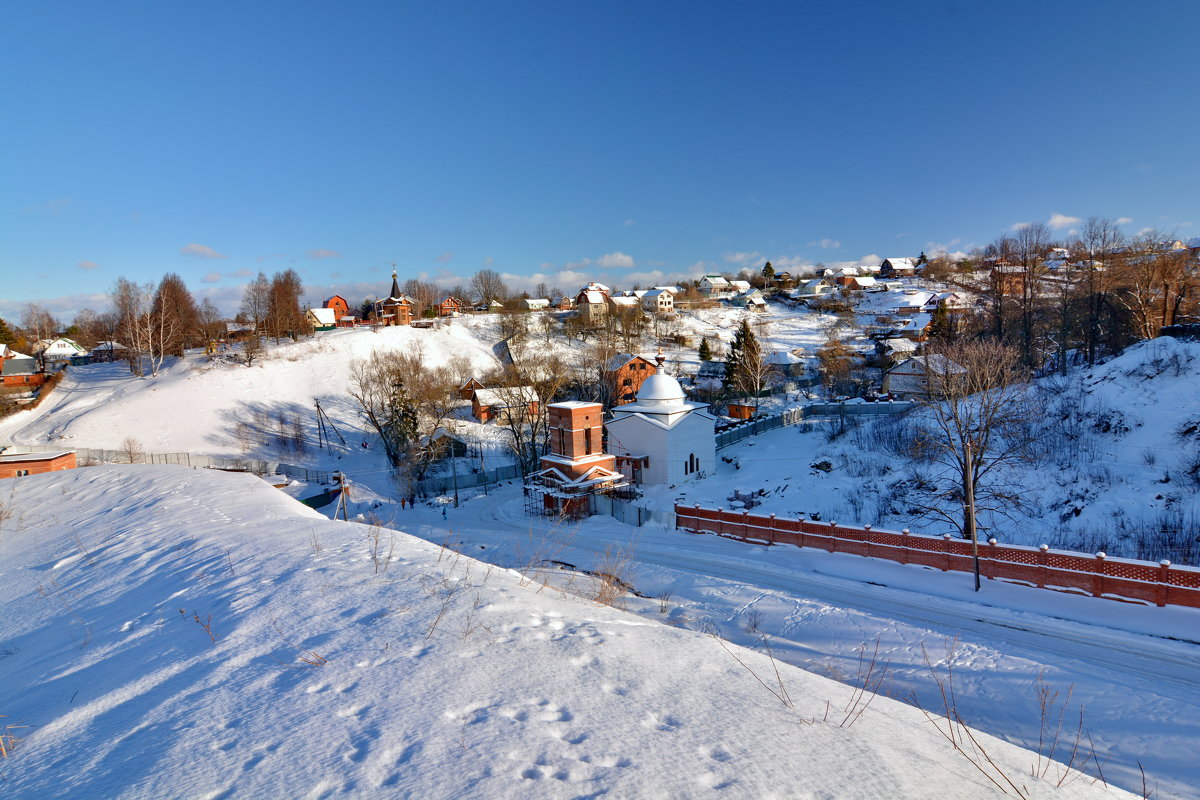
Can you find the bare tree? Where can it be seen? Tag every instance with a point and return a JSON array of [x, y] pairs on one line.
[[976, 419], [538, 381], [209, 319], [1098, 242], [144, 330], [256, 300], [1031, 243], [487, 285], [1152, 283], [37, 322]]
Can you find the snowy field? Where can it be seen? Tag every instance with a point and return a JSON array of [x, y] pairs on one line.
[[171, 632]]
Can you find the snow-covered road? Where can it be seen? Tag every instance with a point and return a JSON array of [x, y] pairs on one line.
[[1132, 670]]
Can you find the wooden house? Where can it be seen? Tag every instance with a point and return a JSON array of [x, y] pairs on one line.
[[467, 390], [339, 305], [449, 307], [396, 309]]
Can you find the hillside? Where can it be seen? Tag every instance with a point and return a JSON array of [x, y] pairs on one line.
[[171, 632]]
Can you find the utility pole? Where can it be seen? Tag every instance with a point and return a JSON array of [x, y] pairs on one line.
[[969, 489], [343, 496], [454, 467]]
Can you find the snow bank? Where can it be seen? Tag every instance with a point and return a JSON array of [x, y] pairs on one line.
[[181, 633]]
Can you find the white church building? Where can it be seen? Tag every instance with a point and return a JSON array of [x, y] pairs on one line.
[[662, 438]]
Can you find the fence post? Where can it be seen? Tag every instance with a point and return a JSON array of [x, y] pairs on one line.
[[946, 551], [1164, 568], [1043, 564], [745, 524], [990, 565], [866, 541], [1098, 581], [771, 526]]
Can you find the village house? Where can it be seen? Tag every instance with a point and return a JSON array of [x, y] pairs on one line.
[[536, 303], [339, 306], [920, 377], [502, 404], [565, 303], [467, 390], [750, 299], [716, 287], [449, 307], [813, 289], [591, 306], [321, 319], [56, 353], [576, 466], [623, 375], [897, 268], [16, 466], [658, 301], [662, 438], [915, 327], [20, 370], [1007, 280], [915, 301]]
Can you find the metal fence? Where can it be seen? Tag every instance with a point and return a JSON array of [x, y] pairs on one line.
[[469, 480], [793, 416], [91, 455], [630, 514]]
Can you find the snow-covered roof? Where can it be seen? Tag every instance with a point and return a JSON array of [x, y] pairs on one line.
[[783, 358], [323, 316], [864, 282], [107, 346], [900, 263], [715, 280], [508, 396], [625, 302], [900, 345], [740, 285], [596, 287], [592, 296], [935, 363], [621, 359], [61, 346], [915, 300]]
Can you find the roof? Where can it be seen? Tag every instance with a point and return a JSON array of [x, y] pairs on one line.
[[783, 357], [621, 359], [592, 296], [654, 294], [743, 285], [864, 281], [572, 404], [329, 300], [900, 262], [8, 459], [323, 316], [61, 344], [108, 346], [900, 345], [624, 301], [508, 396], [936, 363], [915, 300], [716, 280]]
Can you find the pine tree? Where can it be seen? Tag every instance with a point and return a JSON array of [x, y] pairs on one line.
[[921, 259], [768, 272], [940, 328], [6, 336], [705, 349], [743, 367]]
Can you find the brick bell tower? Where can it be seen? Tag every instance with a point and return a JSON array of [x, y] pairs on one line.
[[576, 466]]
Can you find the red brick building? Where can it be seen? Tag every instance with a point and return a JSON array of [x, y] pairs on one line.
[[15, 466], [576, 466], [624, 375]]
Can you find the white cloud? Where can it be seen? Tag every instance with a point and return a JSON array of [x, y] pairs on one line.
[[212, 277], [1124, 220], [319, 254], [1020, 226], [87, 265], [1060, 221], [902, 235], [445, 258], [615, 259], [826, 244], [489, 261], [742, 257], [629, 223], [1144, 231], [200, 251]]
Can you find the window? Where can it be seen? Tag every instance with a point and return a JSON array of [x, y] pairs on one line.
[[627, 382], [21, 472], [587, 440]]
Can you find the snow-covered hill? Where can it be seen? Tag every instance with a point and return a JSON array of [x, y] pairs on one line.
[[170, 632]]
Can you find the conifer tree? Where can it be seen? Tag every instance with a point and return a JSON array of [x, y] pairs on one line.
[[705, 349]]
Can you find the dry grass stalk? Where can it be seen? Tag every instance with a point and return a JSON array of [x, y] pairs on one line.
[[866, 686], [7, 740], [612, 573]]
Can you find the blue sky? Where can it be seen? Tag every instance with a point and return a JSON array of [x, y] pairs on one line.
[[559, 141]]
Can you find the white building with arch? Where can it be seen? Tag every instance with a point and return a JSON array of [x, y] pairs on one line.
[[662, 438]]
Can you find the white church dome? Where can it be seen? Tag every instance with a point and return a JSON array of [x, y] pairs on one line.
[[660, 390]]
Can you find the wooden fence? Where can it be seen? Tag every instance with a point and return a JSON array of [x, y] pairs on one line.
[[1079, 573]]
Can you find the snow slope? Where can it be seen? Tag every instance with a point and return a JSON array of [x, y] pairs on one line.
[[171, 632]]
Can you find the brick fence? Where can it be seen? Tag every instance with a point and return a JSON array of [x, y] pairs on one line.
[[1078, 573]]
